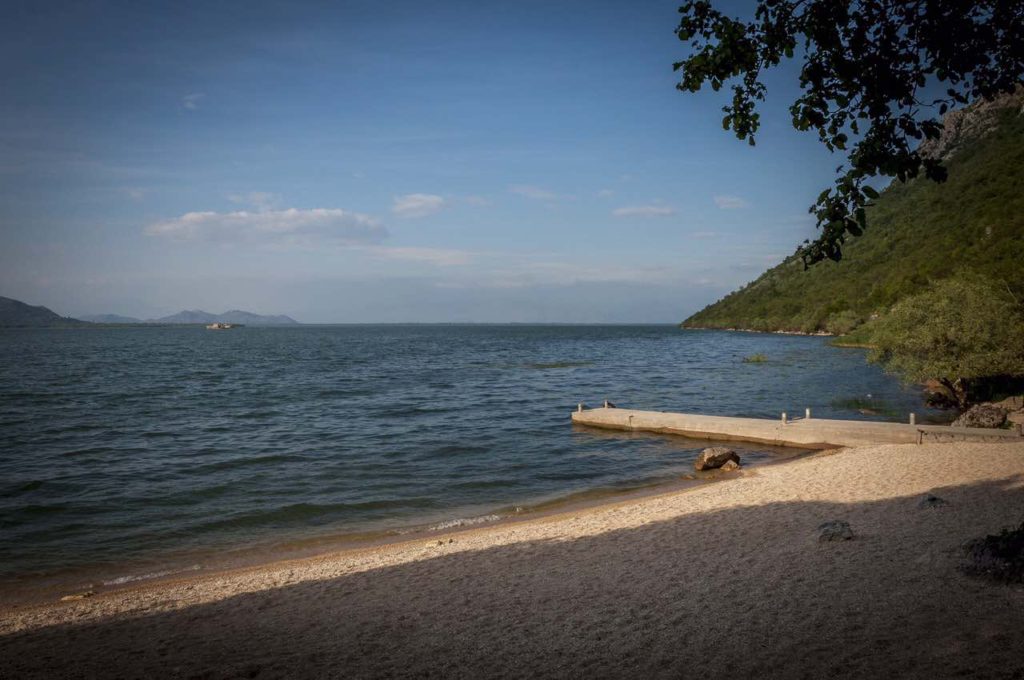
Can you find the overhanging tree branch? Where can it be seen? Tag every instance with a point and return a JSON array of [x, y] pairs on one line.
[[864, 64]]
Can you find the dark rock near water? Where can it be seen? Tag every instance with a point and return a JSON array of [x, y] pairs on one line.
[[930, 501], [981, 415], [729, 466], [834, 530], [715, 457]]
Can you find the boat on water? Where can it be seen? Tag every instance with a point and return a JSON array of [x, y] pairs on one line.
[[221, 326]]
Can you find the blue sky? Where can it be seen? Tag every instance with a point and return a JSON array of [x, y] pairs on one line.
[[369, 162]]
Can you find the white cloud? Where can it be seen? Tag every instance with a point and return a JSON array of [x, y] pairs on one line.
[[644, 211], [283, 227], [191, 101], [441, 257], [730, 202], [533, 192], [417, 205]]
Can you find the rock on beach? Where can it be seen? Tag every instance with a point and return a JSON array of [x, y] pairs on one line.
[[715, 457]]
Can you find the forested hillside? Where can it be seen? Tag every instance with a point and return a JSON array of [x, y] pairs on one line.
[[917, 232]]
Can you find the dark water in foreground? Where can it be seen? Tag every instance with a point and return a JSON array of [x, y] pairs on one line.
[[131, 445]]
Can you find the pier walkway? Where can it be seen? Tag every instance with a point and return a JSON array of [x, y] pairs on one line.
[[807, 433]]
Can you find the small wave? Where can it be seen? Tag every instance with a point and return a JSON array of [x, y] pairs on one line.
[[241, 461], [86, 452], [464, 522], [297, 513], [257, 415], [27, 513], [559, 364], [487, 484], [342, 392], [25, 487], [395, 411], [570, 476], [131, 578], [454, 450]]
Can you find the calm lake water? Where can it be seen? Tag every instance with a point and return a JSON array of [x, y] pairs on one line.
[[131, 447]]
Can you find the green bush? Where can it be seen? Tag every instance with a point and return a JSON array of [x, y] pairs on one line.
[[841, 323], [959, 330]]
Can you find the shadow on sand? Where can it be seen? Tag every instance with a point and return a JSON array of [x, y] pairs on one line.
[[739, 592]]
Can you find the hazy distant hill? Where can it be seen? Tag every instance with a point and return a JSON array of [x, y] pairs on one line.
[[187, 316], [109, 318], [917, 232], [16, 314], [232, 316], [250, 319]]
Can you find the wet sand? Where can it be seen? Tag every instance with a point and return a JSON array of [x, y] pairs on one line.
[[726, 580]]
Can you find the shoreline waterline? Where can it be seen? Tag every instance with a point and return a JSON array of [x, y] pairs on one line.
[[669, 575], [32, 591]]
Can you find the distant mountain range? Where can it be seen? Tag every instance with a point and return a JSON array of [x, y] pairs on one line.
[[16, 314], [109, 318], [232, 316]]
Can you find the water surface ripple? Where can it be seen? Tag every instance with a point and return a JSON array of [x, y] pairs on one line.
[[125, 443]]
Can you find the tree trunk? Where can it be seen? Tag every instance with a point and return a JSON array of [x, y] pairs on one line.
[[958, 388]]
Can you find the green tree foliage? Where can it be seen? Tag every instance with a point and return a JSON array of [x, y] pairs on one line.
[[958, 331], [867, 66], [920, 232]]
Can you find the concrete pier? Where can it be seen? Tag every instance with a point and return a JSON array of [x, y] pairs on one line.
[[807, 433]]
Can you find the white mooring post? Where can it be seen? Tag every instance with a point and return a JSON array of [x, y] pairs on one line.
[[783, 417], [807, 413], [913, 419], [579, 407]]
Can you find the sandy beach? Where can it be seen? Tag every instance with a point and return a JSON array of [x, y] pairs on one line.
[[726, 580]]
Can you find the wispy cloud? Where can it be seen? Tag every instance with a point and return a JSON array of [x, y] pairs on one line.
[[191, 101], [644, 211], [417, 205], [280, 227], [536, 193], [730, 202]]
